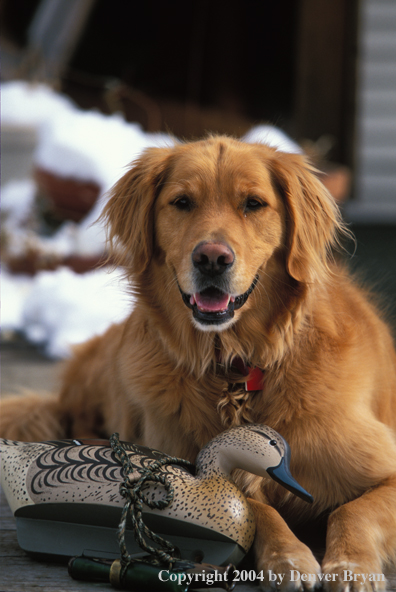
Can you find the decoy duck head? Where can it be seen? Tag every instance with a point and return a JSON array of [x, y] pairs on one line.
[[255, 448]]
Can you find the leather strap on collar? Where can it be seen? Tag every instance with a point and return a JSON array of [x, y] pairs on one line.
[[255, 376]]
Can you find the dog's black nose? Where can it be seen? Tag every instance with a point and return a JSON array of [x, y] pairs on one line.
[[212, 258]]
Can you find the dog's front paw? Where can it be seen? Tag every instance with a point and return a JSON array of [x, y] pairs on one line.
[[290, 570], [345, 576]]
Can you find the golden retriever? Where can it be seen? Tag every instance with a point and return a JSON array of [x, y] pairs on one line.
[[228, 248]]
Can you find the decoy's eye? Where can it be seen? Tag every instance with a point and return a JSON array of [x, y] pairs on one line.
[[272, 442]]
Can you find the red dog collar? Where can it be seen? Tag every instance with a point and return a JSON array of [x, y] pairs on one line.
[[255, 381]]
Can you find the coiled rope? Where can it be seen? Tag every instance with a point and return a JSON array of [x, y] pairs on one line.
[[131, 490]]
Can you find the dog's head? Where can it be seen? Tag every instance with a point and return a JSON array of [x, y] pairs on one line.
[[216, 218]]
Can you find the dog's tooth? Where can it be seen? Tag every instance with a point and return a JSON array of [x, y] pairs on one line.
[[192, 300]]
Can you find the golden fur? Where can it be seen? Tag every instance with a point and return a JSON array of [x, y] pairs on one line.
[[164, 379]]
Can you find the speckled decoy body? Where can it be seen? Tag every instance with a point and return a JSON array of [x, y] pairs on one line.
[[71, 481]]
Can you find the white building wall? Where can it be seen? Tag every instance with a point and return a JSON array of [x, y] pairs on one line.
[[375, 191]]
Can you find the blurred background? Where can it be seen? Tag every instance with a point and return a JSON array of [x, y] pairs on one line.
[[86, 85]]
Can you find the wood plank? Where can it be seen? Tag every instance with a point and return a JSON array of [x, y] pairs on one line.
[[20, 573]]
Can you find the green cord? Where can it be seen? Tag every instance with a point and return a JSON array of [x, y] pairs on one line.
[[135, 499]]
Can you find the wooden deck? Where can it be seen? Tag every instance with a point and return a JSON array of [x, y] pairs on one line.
[[20, 573]]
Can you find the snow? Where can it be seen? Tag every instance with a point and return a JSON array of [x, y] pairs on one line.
[[72, 143], [15, 291], [91, 146], [272, 136], [17, 199], [30, 105], [58, 309]]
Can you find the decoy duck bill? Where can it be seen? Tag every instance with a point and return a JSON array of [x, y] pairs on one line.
[[281, 474]]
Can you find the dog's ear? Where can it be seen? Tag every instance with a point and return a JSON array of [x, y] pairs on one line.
[[313, 220], [128, 213]]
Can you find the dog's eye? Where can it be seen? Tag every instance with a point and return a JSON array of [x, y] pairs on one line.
[[183, 203], [253, 204]]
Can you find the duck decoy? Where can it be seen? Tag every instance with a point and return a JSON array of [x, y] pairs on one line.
[[65, 495]]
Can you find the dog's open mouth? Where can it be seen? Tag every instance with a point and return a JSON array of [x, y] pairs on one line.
[[213, 306]]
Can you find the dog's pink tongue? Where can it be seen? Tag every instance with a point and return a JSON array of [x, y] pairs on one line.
[[212, 303]]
